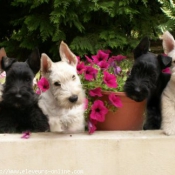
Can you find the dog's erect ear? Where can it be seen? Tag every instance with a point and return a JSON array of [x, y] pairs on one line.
[[164, 61], [2, 54], [168, 42], [46, 63], [142, 47], [34, 60], [67, 55], [6, 63]]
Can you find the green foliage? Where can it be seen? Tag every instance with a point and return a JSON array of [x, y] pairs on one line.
[[85, 25], [168, 8]]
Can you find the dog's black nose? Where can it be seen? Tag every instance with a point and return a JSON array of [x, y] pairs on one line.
[[137, 89], [73, 98], [18, 95]]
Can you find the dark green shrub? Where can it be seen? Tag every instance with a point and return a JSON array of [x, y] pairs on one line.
[[85, 25], [168, 8]]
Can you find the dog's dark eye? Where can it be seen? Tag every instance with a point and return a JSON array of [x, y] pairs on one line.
[[57, 84], [27, 79], [174, 61], [73, 77]]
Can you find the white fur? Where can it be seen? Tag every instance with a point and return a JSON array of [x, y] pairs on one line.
[[63, 115], [168, 95], [169, 46]]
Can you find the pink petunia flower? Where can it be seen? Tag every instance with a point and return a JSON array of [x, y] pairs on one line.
[[101, 56], [86, 103], [115, 100], [92, 126], [38, 91], [95, 92], [43, 84], [166, 70], [88, 59], [81, 67], [117, 70], [26, 135], [107, 51], [98, 111], [118, 57], [3, 74], [109, 80], [90, 73], [111, 61], [78, 58], [103, 64]]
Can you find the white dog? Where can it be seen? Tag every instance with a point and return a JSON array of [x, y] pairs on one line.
[[63, 102], [168, 95]]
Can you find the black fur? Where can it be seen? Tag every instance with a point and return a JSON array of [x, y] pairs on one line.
[[147, 81], [19, 109]]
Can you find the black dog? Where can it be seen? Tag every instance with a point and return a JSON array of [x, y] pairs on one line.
[[147, 81], [19, 109]]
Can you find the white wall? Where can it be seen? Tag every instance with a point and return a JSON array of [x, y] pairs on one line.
[[103, 153]]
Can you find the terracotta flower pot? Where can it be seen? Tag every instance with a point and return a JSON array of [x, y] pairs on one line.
[[128, 117]]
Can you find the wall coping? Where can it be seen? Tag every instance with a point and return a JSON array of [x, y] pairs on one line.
[[149, 134], [102, 153]]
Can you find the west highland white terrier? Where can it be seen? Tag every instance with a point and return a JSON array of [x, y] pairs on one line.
[[63, 102], [168, 95]]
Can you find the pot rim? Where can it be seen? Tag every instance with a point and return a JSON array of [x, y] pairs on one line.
[[122, 94], [116, 93]]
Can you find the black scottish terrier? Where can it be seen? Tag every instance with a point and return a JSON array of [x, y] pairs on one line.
[[147, 81], [19, 109]]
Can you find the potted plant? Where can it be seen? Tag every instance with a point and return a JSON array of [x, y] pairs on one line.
[[107, 108]]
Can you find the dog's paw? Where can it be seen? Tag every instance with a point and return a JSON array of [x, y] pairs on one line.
[[55, 124], [56, 128], [169, 131], [168, 125]]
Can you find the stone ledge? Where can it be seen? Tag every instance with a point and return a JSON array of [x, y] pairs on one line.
[[103, 153]]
